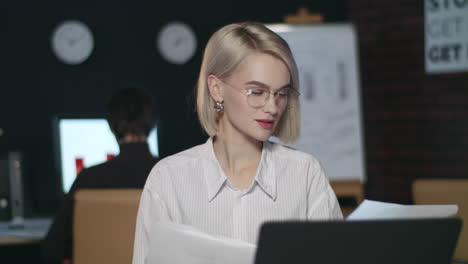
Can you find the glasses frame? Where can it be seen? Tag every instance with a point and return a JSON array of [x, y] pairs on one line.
[[248, 91]]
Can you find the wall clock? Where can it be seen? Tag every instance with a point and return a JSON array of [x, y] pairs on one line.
[[72, 42], [176, 42]]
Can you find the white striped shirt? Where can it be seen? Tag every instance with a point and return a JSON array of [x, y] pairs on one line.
[[191, 188]]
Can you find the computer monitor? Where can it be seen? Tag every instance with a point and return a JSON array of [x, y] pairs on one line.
[[83, 141]]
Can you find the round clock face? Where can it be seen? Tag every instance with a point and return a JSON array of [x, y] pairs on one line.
[[176, 42], [72, 42]]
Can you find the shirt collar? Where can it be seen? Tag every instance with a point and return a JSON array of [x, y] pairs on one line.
[[216, 179], [266, 175], [134, 150]]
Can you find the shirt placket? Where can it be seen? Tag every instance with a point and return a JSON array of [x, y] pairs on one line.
[[239, 216]]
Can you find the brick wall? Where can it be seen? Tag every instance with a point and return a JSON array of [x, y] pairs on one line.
[[416, 124]]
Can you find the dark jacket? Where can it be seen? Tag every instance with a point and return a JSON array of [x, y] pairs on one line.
[[129, 169]]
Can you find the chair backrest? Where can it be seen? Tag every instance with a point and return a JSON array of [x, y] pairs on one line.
[[446, 191], [104, 225], [348, 189]]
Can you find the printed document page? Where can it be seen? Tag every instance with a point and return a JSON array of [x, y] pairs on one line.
[[369, 210], [181, 244]]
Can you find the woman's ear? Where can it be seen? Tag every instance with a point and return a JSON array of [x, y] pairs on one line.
[[215, 88]]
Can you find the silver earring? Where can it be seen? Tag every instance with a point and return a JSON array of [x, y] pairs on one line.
[[218, 107]]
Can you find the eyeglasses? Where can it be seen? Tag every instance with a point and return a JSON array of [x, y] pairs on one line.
[[257, 97]]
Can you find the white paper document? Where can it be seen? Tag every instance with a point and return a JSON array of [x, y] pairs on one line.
[[180, 244], [369, 210]]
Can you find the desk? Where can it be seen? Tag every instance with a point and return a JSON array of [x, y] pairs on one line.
[[16, 240], [22, 245], [32, 231]]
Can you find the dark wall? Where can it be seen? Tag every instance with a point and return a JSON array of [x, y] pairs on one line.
[[416, 124], [36, 86]]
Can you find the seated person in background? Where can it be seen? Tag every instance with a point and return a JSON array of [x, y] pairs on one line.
[[247, 91], [130, 114]]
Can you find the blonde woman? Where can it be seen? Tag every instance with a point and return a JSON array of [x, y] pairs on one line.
[[247, 91]]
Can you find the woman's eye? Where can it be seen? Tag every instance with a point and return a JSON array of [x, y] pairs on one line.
[[257, 91], [284, 92]]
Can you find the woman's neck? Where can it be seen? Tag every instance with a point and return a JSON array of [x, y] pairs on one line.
[[239, 157]]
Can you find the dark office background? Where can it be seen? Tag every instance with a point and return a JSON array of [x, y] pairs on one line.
[[415, 125]]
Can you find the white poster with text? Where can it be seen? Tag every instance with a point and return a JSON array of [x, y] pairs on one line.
[[446, 34]]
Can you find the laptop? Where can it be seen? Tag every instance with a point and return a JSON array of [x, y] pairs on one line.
[[408, 241]]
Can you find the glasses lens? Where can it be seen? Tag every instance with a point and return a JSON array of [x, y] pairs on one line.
[[282, 97], [257, 97]]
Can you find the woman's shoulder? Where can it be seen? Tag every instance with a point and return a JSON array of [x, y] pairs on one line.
[[192, 153], [178, 164], [284, 152], [183, 158]]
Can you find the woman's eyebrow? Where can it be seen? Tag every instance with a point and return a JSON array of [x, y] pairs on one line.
[[264, 85], [258, 84]]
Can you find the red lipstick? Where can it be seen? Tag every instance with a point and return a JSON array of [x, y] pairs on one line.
[[265, 123]]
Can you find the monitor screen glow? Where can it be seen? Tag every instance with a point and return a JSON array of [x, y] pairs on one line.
[[85, 142]]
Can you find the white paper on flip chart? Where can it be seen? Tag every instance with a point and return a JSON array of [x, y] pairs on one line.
[[369, 210], [180, 244]]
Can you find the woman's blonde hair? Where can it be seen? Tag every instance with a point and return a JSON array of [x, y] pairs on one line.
[[225, 50]]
